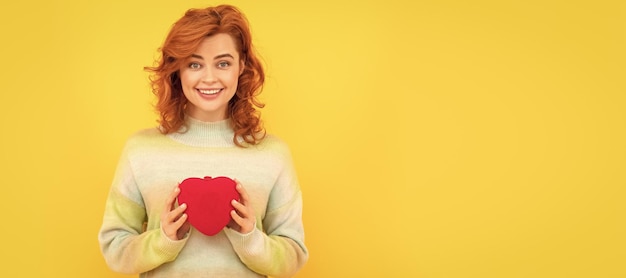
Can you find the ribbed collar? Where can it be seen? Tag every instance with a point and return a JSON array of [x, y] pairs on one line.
[[205, 134]]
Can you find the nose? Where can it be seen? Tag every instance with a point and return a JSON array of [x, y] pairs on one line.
[[208, 75]]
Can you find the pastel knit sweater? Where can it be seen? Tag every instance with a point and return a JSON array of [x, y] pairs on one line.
[[153, 164]]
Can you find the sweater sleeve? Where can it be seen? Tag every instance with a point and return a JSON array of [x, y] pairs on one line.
[[126, 247], [278, 250]]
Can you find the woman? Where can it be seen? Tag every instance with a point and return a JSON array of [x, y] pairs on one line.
[[206, 83]]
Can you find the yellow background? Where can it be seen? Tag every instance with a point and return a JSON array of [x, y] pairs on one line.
[[432, 138]]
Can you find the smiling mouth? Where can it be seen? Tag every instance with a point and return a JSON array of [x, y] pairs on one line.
[[209, 92]]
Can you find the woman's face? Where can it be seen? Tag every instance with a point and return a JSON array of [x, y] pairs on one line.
[[209, 78]]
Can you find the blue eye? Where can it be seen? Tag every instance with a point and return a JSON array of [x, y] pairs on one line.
[[194, 66], [223, 64]]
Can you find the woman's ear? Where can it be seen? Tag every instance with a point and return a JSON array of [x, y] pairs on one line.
[[242, 66]]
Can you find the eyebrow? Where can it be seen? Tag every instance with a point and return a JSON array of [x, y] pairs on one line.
[[214, 58]]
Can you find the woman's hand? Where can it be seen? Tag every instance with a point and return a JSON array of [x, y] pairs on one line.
[[243, 217], [174, 220]]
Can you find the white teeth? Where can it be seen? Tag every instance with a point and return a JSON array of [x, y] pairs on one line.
[[209, 92]]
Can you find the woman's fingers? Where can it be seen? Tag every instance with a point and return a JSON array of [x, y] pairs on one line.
[[179, 219], [240, 209], [242, 224], [173, 218], [177, 213], [245, 199], [238, 219], [243, 214], [169, 203]]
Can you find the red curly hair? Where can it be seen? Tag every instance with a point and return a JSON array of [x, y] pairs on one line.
[[182, 41]]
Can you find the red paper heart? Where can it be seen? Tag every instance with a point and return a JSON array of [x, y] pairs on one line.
[[208, 202]]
